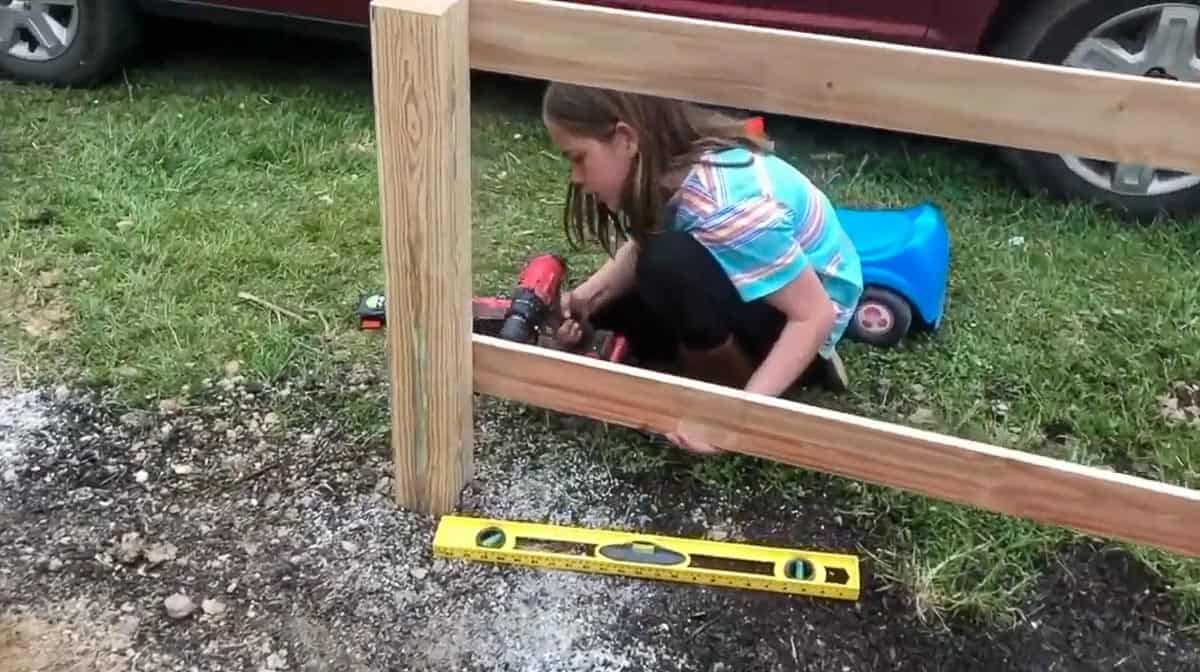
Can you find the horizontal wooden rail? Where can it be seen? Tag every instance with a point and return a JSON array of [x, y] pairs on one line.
[[1087, 499], [902, 88]]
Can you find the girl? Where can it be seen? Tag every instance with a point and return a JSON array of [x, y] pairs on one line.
[[734, 269]]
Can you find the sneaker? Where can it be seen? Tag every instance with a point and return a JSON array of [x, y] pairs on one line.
[[834, 373], [829, 373]]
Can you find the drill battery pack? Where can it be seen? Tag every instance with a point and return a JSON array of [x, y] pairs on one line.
[[596, 343]]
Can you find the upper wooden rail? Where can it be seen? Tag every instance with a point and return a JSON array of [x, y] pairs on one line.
[[926, 91]]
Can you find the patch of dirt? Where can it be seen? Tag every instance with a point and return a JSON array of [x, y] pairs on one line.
[[43, 319], [1180, 405], [216, 534], [66, 637]]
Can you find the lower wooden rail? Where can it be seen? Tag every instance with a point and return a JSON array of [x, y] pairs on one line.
[[1087, 499]]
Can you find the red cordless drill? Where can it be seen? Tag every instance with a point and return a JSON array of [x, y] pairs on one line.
[[531, 316], [535, 304], [535, 298]]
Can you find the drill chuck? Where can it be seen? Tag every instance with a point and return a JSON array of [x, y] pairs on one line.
[[524, 316], [536, 294]]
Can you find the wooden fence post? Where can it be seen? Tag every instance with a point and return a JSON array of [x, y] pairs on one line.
[[420, 62]]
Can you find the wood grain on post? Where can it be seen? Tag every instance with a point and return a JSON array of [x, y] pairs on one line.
[[422, 121], [897, 87], [1011, 482]]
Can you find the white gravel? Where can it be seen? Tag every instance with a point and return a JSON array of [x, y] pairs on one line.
[[22, 413]]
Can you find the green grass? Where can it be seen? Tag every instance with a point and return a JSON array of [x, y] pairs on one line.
[[161, 200]]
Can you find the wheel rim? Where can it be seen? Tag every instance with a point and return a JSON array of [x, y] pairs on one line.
[[874, 318], [1155, 41], [37, 30]]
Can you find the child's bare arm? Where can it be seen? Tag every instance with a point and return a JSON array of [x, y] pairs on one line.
[[614, 278], [810, 318]]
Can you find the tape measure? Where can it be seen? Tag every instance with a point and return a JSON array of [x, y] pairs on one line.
[[718, 563]]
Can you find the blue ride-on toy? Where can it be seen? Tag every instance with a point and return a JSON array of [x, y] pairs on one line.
[[905, 254]]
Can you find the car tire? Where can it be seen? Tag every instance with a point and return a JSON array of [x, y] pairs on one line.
[[1048, 33], [105, 32], [882, 318]]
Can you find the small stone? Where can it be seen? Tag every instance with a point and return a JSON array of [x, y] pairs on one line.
[[384, 485], [270, 420], [923, 416], [232, 368], [135, 419], [62, 393], [182, 469], [169, 406], [221, 426], [128, 625], [157, 554], [51, 278], [127, 372], [349, 547], [141, 476], [179, 606], [419, 573], [277, 661], [54, 565], [129, 548], [213, 607], [719, 532], [271, 500]]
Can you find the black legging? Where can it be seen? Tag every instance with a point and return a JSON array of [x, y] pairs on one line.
[[684, 297]]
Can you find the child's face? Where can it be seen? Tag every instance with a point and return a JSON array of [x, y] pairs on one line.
[[598, 166]]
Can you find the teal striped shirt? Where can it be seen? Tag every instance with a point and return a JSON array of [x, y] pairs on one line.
[[765, 222]]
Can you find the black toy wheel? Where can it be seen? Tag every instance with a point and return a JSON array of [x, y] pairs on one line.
[[882, 318]]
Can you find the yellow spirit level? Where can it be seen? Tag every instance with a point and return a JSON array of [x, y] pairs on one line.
[[734, 565]]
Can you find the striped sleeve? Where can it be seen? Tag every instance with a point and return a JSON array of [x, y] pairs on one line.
[[756, 242]]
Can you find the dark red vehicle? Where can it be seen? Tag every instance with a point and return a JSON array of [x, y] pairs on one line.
[[80, 41]]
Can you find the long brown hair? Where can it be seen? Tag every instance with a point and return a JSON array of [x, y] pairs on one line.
[[672, 135]]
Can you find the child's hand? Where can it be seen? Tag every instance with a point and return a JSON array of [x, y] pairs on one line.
[[574, 313], [692, 444], [569, 333]]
